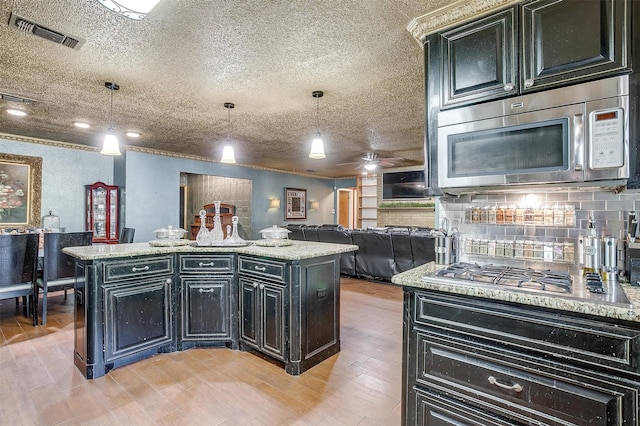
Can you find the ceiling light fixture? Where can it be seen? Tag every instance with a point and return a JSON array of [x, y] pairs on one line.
[[110, 145], [317, 147], [81, 124], [228, 155], [133, 9], [370, 166], [133, 134], [16, 112]]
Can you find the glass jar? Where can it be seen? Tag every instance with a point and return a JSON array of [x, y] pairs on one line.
[[528, 249], [558, 216], [518, 249], [528, 215], [508, 249], [548, 215], [483, 246], [508, 214], [547, 252], [500, 248], [491, 248], [570, 216], [569, 252], [475, 214], [484, 215], [538, 216], [538, 250], [492, 215], [467, 214], [558, 252], [519, 215]]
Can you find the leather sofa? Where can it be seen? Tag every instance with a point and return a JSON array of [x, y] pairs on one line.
[[382, 253]]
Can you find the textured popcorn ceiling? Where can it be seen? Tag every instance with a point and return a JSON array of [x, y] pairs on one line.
[[179, 65]]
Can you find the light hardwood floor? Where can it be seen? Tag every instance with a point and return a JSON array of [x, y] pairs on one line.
[[361, 385]]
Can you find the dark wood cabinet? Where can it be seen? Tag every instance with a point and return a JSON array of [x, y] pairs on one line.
[[102, 212], [138, 305], [138, 317], [479, 60], [538, 45], [262, 316], [569, 41], [476, 361], [290, 310], [208, 300]]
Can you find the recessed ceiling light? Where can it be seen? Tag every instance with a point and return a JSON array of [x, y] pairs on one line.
[[133, 134], [16, 112], [81, 124]]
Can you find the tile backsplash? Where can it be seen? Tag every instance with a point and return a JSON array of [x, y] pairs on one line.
[[609, 210]]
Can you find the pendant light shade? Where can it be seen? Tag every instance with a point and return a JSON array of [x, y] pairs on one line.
[[110, 145], [228, 156], [317, 146], [133, 9]]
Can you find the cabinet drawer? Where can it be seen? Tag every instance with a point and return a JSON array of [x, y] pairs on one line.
[[552, 334], [206, 264], [529, 392], [137, 268], [270, 269]]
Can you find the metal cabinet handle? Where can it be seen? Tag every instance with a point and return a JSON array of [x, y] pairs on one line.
[[528, 82], [515, 387], [255, 285], [134, 269], [578, 141], [259, 268], [210, 290], [261, 286], [508, 87], [206, 264], [168, 281]]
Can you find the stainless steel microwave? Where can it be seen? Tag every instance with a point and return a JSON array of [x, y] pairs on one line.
[[570, 136]]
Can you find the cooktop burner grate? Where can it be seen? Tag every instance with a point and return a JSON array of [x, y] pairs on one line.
[[559, 282]]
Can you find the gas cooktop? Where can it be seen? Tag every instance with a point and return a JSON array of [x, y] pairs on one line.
[[546, 282]]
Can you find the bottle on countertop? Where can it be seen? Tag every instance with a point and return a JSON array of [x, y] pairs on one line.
[[591, 249]]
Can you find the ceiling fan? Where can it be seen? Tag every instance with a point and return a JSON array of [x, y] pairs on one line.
[[370, 161]]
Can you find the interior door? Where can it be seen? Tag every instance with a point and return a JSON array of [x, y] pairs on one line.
[[345, 207]]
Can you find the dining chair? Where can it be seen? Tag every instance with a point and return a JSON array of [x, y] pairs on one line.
[[18, 267], [58, 268], [126, 235]]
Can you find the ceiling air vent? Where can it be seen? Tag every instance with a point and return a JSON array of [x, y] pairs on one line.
[[34, 28], [16, 99]]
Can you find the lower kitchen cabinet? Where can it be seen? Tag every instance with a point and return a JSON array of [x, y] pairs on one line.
[[290, 310], [138, 317], [208, 302], [262, 314], [475, 361]]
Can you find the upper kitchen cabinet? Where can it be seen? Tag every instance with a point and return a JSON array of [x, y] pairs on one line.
[[566, 41], [536, 45], [479, 60]]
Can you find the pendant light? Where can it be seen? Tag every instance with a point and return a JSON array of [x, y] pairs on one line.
[[228, 155], [133, 9], [317, 147], [110, 145]]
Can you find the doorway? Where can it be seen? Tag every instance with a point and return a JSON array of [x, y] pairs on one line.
[[346, 207]]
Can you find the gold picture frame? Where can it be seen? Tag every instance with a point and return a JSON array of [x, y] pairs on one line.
[[20, 191], [296, 204]]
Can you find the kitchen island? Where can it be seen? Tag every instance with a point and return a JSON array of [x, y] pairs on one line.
[[133, 301], [487, 354]]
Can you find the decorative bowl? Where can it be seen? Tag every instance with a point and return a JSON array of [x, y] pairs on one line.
[[275, 233], [169, 233]]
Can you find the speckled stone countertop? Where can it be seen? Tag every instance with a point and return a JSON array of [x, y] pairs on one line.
[[297, 251], [414, 278]]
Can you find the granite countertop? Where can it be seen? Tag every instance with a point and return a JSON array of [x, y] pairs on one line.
[[413, 278], [297, 251]]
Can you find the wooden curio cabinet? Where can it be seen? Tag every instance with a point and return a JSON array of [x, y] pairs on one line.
[[102, 212]]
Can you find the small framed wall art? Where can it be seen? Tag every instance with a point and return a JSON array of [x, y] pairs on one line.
[[20, 189], [296, 203]]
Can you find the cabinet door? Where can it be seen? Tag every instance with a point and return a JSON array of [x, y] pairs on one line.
[[248, 311], [205, 309], [272, 319], [137, 316], [479, 60], [572, 40]]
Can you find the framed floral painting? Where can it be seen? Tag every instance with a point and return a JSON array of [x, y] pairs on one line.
[[20, 190], [296, 200]]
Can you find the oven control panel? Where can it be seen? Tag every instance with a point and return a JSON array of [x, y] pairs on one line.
[[606, 141]]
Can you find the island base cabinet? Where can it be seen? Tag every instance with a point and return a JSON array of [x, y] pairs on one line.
[[206, 312], [290, 311], [139, 318], [262, 313]]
